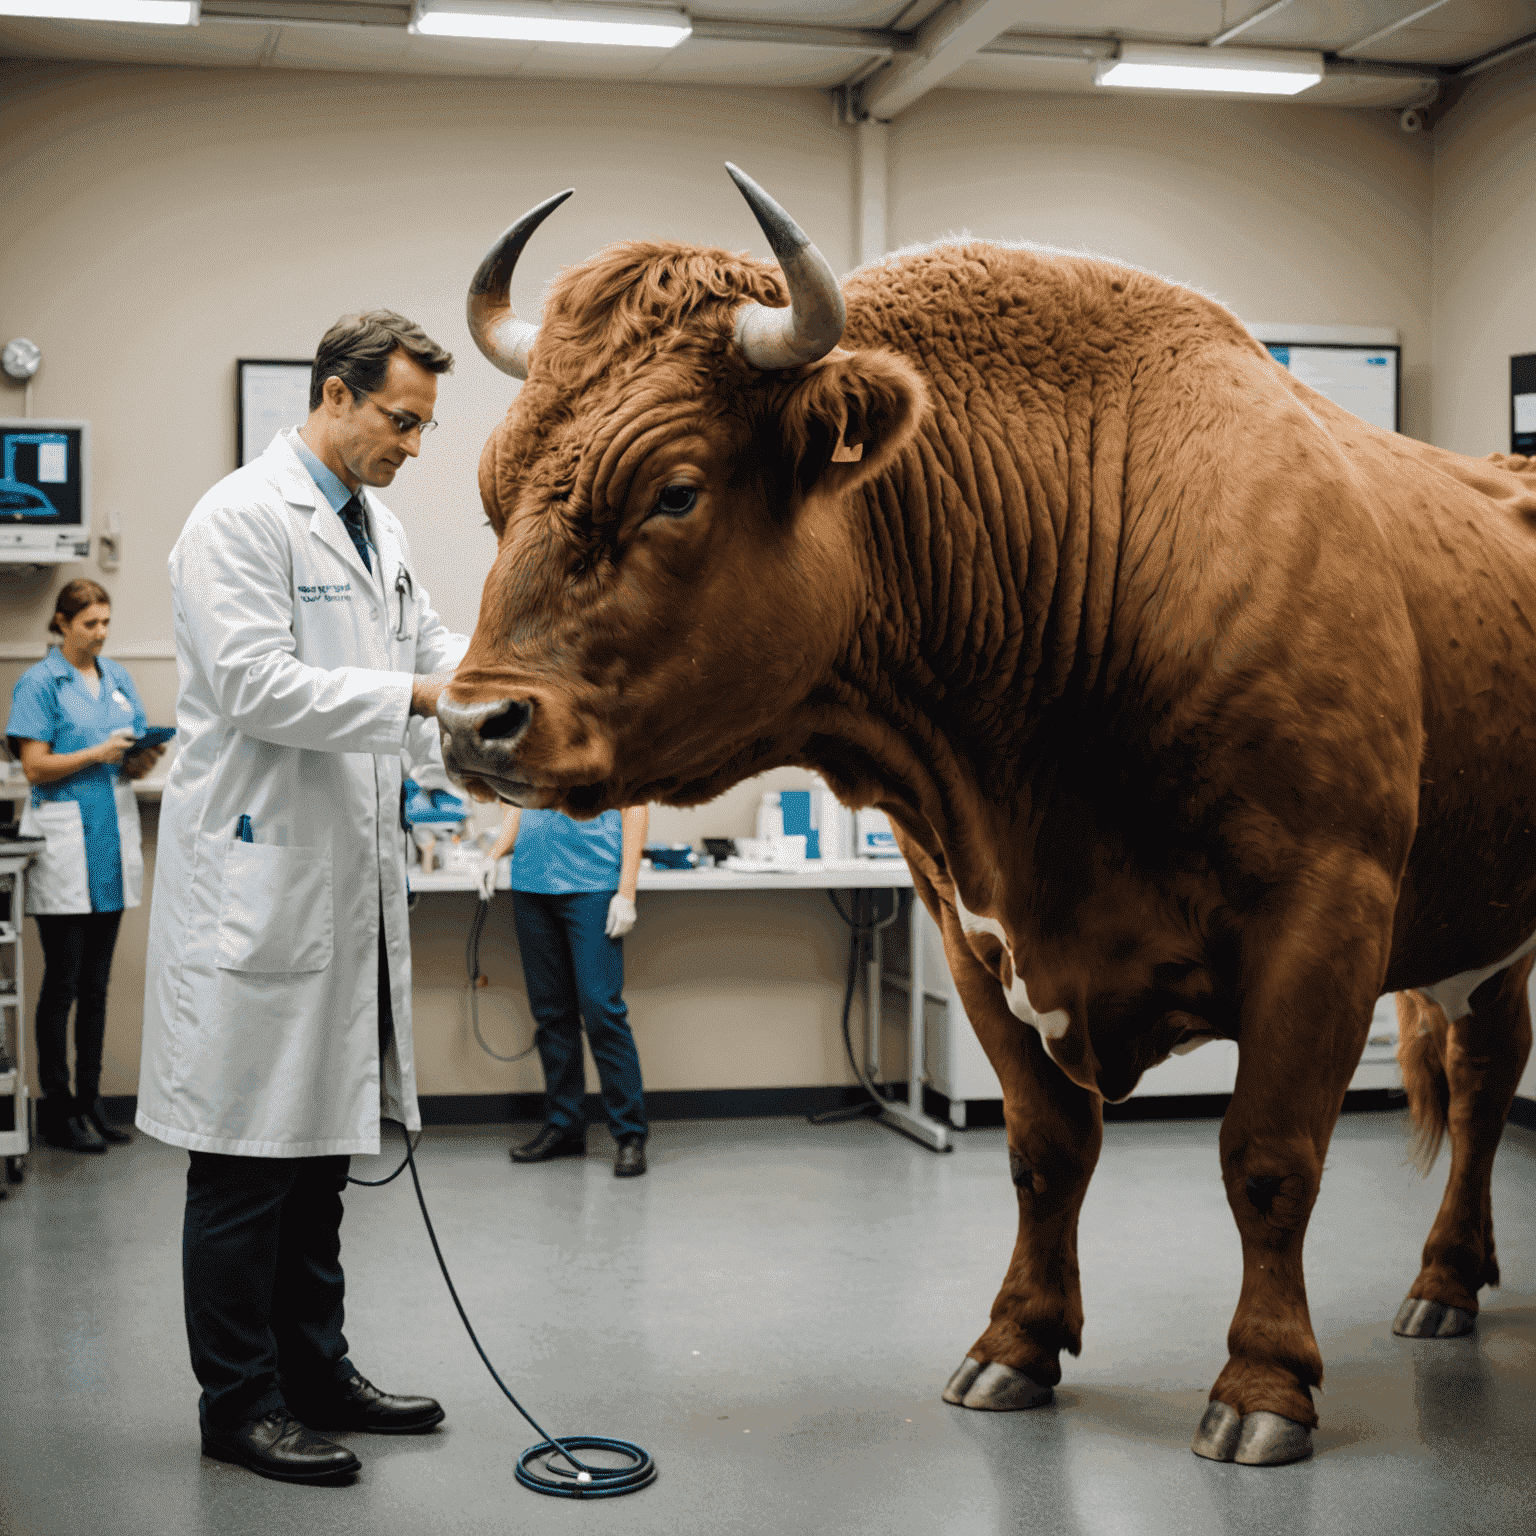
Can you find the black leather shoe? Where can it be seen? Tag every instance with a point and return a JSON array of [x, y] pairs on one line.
[[96, 1113], [629, 1160], [552, 1141], [358, 1404], [277, 1445], [71, 1133]]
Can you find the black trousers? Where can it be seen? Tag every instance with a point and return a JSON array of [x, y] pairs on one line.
[[262, 1282], [77, 963]]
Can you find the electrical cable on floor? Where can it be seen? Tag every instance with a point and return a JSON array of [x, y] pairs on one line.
[[472, 970], [863, 932], [535, 1467]]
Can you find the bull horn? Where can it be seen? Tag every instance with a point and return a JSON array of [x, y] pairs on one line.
[[505, 340], [813, 323]]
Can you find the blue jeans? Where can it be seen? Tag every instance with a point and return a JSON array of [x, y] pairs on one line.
[[575, 976]]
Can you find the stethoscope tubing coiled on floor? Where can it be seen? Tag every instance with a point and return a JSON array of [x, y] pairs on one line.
[[534, 1467]]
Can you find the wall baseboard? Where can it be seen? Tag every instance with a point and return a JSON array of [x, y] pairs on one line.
[[755, 1103]]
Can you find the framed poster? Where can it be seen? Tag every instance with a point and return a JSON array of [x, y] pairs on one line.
[[271, 395]]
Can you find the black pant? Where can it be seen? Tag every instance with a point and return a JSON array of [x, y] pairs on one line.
[[262, 1281], [262, 1284], [77, 955]]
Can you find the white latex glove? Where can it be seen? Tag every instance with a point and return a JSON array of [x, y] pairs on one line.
[[485, 877], [621, 916]]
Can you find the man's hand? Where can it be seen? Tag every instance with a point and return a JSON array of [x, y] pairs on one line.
[[621, 916], [485, 877], [425, 690]]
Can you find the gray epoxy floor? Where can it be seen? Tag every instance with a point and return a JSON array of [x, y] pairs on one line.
[[772, 1312]]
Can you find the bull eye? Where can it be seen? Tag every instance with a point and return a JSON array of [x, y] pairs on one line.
[[677, 501]]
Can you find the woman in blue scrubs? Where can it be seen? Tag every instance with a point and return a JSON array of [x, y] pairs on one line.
[[73, 717], [573, 900]]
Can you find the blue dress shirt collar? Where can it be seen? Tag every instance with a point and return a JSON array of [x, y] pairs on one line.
[[330, 485]]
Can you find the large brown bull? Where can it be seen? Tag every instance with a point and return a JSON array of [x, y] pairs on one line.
[[1202, 708]]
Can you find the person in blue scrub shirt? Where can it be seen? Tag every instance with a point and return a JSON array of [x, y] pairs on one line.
[[573, 900], [73, 717]]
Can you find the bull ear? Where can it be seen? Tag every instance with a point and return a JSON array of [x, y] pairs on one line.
[[848, 417]]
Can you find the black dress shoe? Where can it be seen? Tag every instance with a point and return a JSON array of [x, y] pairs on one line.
[[552, 1141], [358, 1404], [96, 1113], [71, 1133], [277, 1445], [629, 1160]]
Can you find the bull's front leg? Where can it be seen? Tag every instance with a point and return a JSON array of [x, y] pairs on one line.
[[1311, 972], [1055, 1130]]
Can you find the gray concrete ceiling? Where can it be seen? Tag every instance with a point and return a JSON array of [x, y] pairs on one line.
[[1380, 53]]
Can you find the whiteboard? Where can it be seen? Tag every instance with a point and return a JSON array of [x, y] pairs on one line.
[[1361, 379], [271, 395]]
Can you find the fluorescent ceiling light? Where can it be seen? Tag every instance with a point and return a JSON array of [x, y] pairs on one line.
[[1245, 71], [535, 21], [167, 13]]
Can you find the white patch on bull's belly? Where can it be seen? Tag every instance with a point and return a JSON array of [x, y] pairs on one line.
[[1454, 994], [1052, 1025], [1184, 1047]]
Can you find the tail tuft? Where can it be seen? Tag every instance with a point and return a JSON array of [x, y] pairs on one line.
[[1421, 1033]]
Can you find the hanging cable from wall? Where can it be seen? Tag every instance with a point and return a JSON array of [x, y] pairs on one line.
[[861, 940], [476, 981]]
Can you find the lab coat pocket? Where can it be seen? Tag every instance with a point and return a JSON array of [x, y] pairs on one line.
[[130, 844], [58, 883], [275, 909]]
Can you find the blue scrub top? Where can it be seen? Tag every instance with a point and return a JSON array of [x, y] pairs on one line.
[[555, 856], [51, 703]]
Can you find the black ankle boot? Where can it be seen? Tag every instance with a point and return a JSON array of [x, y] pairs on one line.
[[95, 1112], [59, 1125]]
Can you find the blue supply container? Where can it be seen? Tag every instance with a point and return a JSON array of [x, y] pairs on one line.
[[429, 808], [795, 805], [663, 857]]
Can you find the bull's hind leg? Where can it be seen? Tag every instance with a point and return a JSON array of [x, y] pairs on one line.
[[1461, 1077], [1054, 1133], [1310, 978]]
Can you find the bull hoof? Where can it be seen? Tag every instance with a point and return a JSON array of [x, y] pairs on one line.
[[1261, 1439], [995, 1386], [1418, 1319]]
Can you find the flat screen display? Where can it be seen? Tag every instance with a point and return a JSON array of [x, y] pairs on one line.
[[1363, 380], [42, 474]]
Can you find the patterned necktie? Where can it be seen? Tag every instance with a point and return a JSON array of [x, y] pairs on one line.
[[352, 516]]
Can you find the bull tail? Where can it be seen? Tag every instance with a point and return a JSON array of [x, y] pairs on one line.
[[1421, 1039]]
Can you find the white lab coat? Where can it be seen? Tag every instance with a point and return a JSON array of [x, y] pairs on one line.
[[295, 664]]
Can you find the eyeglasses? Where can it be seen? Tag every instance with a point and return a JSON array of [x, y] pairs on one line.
[[403, 423]]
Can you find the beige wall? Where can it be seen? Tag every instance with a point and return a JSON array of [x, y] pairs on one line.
[[169, 221], [1484, 258], [1313, 215]]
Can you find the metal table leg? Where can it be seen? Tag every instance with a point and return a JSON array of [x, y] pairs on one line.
[[909, 1118]]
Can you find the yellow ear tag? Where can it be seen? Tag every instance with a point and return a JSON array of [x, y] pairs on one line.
[[848, 453]]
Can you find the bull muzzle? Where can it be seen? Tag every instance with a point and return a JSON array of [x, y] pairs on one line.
[[480, 742]]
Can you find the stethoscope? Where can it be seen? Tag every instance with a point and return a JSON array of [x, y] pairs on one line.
[[407, 590]]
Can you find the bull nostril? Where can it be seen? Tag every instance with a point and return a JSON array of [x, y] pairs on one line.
[[508, 721]]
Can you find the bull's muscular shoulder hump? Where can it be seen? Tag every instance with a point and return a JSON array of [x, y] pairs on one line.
[[962, 285]]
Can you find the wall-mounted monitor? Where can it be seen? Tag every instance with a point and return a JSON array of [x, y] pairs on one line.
[[1358, 367], [45, 490], [1522, 404]]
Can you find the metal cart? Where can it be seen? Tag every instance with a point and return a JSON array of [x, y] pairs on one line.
[[14, 1140]]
